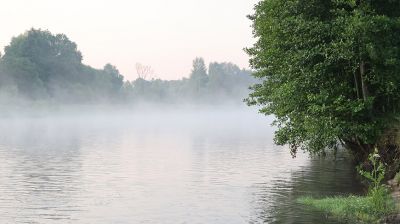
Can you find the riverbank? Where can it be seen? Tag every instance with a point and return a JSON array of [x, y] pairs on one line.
[[395, 193], [371, 208], [360, 208], [379, 205]]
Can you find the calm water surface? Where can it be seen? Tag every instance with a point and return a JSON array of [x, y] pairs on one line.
[[170, 167]]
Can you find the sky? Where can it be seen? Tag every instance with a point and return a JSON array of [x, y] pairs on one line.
[[164, 34]]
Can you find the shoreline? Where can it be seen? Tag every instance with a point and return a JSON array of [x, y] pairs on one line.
[[395, 193]]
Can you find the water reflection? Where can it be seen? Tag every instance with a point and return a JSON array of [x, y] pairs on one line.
[[321, 177], [196, 168]]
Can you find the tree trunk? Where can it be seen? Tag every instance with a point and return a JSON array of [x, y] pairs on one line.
[[363, 83], [356, 85]]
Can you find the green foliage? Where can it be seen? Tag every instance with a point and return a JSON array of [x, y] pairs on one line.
[[353, 208], [329, 70], [222, 83], [377, 191], [367, 209], [376, 175], [41, 66], [198, 77]]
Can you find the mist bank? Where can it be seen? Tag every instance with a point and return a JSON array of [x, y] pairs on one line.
[[141, 110], [162, 120], [40, 69]]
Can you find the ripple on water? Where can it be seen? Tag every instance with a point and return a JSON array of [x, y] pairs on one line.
[[85, 171]]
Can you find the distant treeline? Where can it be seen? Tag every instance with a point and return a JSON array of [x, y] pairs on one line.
[[40, 66]]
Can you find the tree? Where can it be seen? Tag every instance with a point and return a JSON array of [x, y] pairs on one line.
[[198, 77], [40, 62], [227, 80], [143, 71], [116, 80], [39, 65], [328, 70]]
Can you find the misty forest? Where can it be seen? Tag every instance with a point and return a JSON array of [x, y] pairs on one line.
[[39, 66], [299, 125]]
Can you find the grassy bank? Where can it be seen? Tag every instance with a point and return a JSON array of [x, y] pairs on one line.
[[361, 209], [372, 208]]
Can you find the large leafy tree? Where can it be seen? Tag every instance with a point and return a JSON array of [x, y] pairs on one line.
[[328, 70], [40, 65], [40, 62]]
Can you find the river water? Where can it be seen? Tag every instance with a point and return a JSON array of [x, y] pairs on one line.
[[218, 166]]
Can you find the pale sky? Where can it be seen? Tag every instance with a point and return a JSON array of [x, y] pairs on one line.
[[165, 34]]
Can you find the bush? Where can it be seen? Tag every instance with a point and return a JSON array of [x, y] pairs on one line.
[[377, 174]]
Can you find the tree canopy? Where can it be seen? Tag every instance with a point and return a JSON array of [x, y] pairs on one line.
[[40, 66], [43, 66], [329, 70], [222, 83]]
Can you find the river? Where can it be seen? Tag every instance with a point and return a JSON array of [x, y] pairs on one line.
[[163, 166]]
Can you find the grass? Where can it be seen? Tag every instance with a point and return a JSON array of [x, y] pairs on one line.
[[362, 209], [372, 208]]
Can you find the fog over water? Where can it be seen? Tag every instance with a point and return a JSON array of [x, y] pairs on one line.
[[113, 124], [157, 165]]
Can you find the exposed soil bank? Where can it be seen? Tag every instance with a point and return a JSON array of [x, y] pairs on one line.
[[395, 192]]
